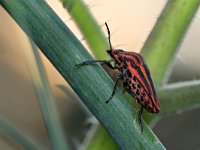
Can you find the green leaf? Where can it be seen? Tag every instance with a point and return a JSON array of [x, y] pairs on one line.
[[91, 83]]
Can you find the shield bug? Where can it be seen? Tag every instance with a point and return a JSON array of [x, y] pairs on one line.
[[135, 75]]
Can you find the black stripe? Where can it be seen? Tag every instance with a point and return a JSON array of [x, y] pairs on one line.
[[150, 80], [144, 80], [138, 57], [141, 75]]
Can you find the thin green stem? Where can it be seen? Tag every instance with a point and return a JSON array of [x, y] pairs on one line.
[[88, 26], [179, 96], [8, 129], [45, 98]]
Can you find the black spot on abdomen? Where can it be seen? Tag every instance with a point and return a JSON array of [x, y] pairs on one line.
[[128, 73]]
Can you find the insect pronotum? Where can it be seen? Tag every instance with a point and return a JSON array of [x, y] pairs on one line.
[[135, 75]]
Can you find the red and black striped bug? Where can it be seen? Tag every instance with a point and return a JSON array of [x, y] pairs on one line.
[[135, 75]]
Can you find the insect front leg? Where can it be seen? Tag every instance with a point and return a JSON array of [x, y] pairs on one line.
[[119, 76], [89, 62]]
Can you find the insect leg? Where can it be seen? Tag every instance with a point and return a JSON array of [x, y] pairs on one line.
[[119, 76], [88, 62], [124, 83], [140, 118]]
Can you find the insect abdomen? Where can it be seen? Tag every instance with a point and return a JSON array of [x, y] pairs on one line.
[[134, 87]]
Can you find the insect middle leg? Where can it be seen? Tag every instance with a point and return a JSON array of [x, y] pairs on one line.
[[88, 62], [119, 76]]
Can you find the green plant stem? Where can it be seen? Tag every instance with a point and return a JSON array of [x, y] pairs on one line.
[[98, 137], [91, 83], [45, 98], [161, 45], [16, 135], [179, 96], [88, 26]]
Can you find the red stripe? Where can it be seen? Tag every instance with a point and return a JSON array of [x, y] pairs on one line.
[[135, 72]]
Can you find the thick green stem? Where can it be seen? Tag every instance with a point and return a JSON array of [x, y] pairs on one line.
[[91, 83]]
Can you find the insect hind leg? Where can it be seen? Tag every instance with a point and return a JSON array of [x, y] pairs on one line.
[[139, 113]]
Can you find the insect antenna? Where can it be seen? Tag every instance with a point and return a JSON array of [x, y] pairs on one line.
[[108, 35]]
